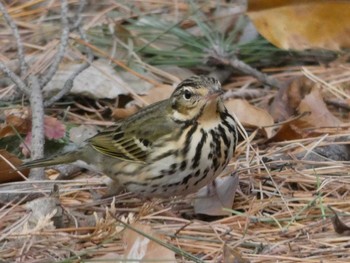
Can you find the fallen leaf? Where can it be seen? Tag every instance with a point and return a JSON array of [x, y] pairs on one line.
[[302, 98], [158, 93], [339, 226], [45, 209], [212, 199], [320, 115], [53, 128], [299, 24], [8, 173], [288, 98], [292, 130], [98, 81], [141, 249], [154, 95], [232, 255], [15, 120], [122, 113], [251, 116]]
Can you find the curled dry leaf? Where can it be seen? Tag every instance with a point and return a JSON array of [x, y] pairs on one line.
[[301, 98], [15, 120], [339, 226], [320, 115], [141, 249], [300, 24], [251, 116], [288, 98], [156, 94], [212, 199], [7, 172]]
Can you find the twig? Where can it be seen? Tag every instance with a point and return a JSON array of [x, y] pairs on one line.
[[245, 68], [20, 50], [77, 16], [245, 94], [37, 107], [338, 103], [17, 80], [68, 85], [62, 46]]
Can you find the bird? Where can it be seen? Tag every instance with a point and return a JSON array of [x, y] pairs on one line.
[[172, 147]]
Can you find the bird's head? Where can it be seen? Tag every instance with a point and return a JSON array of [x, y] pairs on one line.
[[193, 96]]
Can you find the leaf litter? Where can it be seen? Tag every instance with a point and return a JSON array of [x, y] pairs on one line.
[[280, 208]]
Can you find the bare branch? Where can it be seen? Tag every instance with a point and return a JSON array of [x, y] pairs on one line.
[[68, 85], [245, 68], [77, 16], [62, 46], [37, 107], [20, 50], [17, 80]]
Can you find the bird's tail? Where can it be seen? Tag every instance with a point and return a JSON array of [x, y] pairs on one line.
[[58, 159]]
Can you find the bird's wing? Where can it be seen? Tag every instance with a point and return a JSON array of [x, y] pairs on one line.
[[116, 143], [133, 138]]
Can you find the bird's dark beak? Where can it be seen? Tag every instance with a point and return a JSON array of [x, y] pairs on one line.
[[214, 94]]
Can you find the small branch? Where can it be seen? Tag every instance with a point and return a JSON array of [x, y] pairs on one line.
[[20, 50], [68, 85], [338, 103], [245, 94], [245, 68], [37, 108], [62, 46], [17, 80], [77, 16]]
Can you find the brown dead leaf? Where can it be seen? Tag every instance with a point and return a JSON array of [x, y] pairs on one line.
[[250, 116], [156, 94], [299, 24], [320, 115], [302, 98], [7, 173], [15, 120], [212, 200], [288, 98], [141, 249], [292, 130], [232, 255], [339, 226], [122, 113]]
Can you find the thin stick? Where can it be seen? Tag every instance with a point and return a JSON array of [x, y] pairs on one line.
[[62, 46], [37, 107], [245, 68], [17, 80], [20, 50], [68, 85]]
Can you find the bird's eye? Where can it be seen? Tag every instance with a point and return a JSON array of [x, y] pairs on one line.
[[187, 94]]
